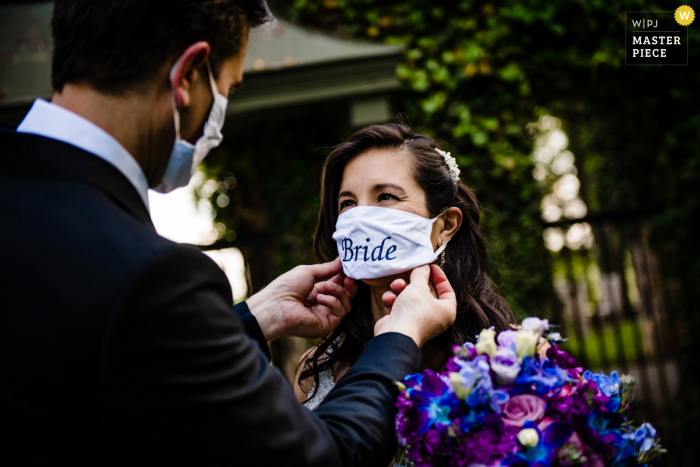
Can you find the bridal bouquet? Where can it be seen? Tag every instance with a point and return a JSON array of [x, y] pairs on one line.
[[500, 403]]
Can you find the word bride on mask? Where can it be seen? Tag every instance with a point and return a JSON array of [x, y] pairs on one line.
[[376, 251], [378, 242]]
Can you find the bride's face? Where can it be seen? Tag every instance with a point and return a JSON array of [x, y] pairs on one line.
[[383, 178]]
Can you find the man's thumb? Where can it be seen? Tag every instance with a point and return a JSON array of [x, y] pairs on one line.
[[325, 271], [420, 275]]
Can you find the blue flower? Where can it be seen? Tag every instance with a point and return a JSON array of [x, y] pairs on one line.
[[433, 403], [413, 380], [643, 437], [542, 375], [613, 404], [472, 419], [475, 375], [541, 455], [605, 423], [475, 372], [608, 385], [625, 457]]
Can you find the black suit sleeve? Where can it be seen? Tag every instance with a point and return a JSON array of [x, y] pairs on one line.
[[252, 328], [184, 385]]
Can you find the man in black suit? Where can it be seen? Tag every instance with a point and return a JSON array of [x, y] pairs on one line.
[[118, 347]]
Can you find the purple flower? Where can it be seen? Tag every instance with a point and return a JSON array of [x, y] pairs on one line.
[[507, 339], [505, 365], [572, 402], [486, 445], [564, 360], [522, 408]]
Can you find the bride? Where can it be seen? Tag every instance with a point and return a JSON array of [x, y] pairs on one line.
[[391, 200]]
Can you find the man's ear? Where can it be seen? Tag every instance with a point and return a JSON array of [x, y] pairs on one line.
[[181, 74], [452, 223]]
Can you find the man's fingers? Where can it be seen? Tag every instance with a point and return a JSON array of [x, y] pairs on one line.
[[433, 292], [442, 285], [398, 285], [420, 275], [338, 278], [388, 299], [324, 271], [335, 290], [333, 304], [350, 286]]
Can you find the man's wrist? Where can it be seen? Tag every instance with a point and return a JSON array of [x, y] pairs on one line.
[[264, 312], [406, 330]]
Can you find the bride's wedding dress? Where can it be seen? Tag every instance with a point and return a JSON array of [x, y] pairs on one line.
[[325, 384]]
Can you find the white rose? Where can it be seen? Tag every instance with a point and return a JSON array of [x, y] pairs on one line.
[[487, 343], [526, 343], [528, 437], [535, 325]]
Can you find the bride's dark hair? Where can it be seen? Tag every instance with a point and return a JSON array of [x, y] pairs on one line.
[[479, 305]]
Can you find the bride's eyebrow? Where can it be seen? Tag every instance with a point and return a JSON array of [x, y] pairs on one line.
[[345, 193], [382, 186]]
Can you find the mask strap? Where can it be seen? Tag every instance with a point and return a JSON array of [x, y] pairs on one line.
[[442, 248], [432, 221], [212, 83], [176, 113], [444, 245], [176, 118]]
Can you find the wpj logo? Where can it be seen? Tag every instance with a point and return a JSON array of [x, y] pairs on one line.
[[657, 38]]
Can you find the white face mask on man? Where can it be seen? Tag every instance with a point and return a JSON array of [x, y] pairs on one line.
[[186, 157], [378, 242]]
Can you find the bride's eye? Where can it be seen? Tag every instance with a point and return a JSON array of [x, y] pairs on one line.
[[386, 197], [347, 203]]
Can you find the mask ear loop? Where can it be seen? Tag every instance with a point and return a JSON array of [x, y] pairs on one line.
[[443, 244], [212, 83], [176, 113]]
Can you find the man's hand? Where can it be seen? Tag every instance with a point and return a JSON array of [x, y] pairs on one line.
[[419, 311], [294, 304]]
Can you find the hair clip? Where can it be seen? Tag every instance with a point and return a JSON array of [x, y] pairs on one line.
[[451, 164]]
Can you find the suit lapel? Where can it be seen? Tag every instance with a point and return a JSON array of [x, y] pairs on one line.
[[37, 157]]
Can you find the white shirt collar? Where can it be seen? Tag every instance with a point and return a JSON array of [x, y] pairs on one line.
[[52, 121]]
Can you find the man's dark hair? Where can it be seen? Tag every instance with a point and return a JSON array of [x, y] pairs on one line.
[[112, 45]]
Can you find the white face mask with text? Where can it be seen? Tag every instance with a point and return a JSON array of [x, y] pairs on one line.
[[378, 242]]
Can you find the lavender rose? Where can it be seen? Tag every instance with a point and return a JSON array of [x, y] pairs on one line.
[[505, 365], [507, 339], [523, 407]]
